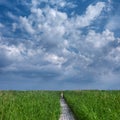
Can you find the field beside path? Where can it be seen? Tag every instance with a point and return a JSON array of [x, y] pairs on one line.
[[94, 104], [45, 105], [29, 105]]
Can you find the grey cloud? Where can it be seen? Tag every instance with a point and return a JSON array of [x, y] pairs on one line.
[[4, 60], [113, 23], [32, 74], [56, 52]]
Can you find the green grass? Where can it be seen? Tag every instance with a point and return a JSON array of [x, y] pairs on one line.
[[45, 105], [94, 105], [29, 105]]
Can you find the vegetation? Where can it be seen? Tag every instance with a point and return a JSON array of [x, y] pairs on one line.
[[45, 105], [29, 105], [94, 105]]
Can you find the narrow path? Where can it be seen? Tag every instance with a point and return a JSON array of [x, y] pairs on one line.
[[66, 112]]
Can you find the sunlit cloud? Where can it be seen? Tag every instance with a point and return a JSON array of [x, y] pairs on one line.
[[43, 41]]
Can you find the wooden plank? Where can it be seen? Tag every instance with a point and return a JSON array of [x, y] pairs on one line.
[[66, 113]]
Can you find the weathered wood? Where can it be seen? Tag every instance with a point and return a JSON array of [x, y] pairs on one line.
[[66, 113], [61, 94]]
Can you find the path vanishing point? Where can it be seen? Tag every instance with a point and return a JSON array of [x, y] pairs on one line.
[[66, 113]]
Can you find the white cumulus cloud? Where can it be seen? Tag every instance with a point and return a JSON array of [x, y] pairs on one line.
[[26, 25], [100, 39], [92, 12]]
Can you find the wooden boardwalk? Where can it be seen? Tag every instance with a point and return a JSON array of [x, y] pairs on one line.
[[66, 113]]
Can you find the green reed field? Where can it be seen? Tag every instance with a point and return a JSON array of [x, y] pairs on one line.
[[94, 105], [45, 105], [29, 105]]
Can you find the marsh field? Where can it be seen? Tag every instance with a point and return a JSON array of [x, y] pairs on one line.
[[45, 105]]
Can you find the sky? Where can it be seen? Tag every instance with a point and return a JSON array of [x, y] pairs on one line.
[[59, 44]]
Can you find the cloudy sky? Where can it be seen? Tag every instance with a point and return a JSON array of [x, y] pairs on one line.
[[59, 44]]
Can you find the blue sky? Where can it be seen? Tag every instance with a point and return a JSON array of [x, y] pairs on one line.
[[59, 44]]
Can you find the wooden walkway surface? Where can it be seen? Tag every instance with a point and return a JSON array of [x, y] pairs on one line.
[[66, 113]]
